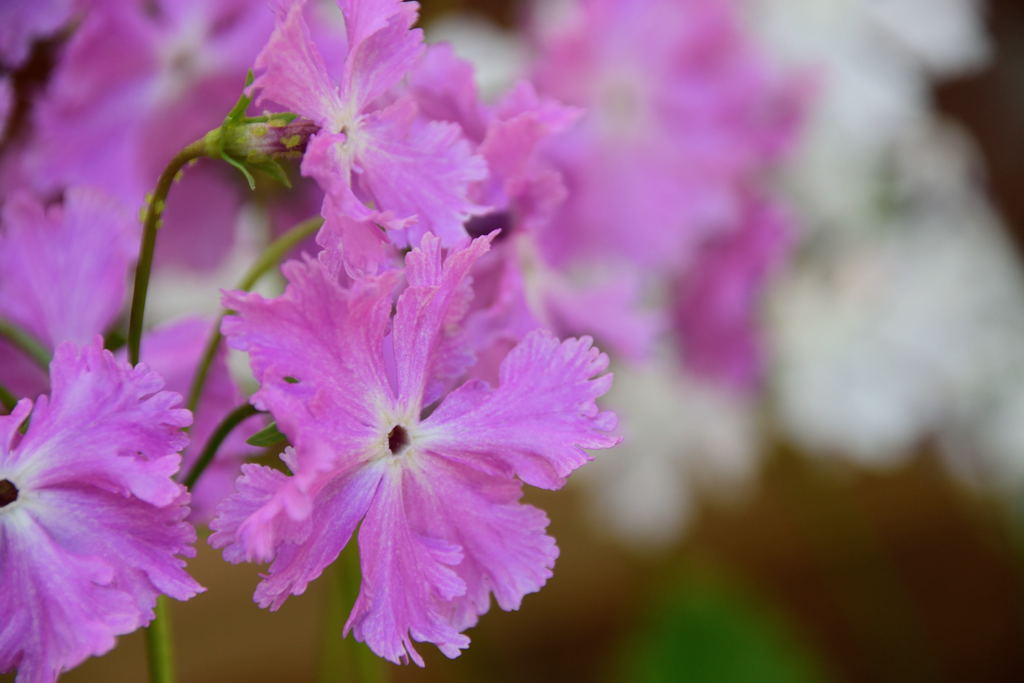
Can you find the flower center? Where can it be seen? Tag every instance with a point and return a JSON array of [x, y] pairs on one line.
[[398, 439], [478, 226], [8, 493]]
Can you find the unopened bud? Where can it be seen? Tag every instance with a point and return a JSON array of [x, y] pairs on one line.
[[256, 142]]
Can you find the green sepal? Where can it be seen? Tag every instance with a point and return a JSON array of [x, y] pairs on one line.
[[237, 112], [241, 168], [275, 171], [266, 437]]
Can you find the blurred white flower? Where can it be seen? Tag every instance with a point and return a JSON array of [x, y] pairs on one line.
[[498, 57], [874, 62], [681, 436], [907, 327]]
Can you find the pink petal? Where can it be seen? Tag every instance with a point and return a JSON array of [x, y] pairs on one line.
[[717, 307], [445, 89], [59, 607], [22, 21], [419, 171], [610, 309], [505, 549], [291, 71], [539, 418], [428, 351], [63, 270], [256, 488], [317, 351], [106, 424], [337, 508], [362, 247], [407, 579], [383, 46]]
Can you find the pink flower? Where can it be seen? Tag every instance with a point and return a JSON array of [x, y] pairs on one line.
[[92, 527], [525, 192], [375, 157], [63, 271], [716, 310], [522, 189], [684, 120], [363, 385], [134, 85], [680, 109]]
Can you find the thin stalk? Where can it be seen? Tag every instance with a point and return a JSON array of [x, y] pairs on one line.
[[270, 257], [345, 659], [158, 635], [232, 420], [147, 247], [26, 342], [158, 645]]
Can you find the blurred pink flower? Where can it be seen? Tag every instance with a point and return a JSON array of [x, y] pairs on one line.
[[63, 271], [717, 310], [681, 111], [137, 82]]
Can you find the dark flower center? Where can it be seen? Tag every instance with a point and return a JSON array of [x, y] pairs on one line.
[[398, 439], [478, 226], [8, 493]]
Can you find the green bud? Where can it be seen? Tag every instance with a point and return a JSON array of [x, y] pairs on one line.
[[271, 140]]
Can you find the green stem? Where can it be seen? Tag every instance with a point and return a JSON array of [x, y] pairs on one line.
[[26, 342], [158, 645], [233, 419], [158, 635], [345, 659], [270, 257], [147, 247]]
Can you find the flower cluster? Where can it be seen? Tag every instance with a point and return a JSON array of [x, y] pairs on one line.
[[433, 348]]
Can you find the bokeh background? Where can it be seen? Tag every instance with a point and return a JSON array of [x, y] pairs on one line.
[[862, 517]]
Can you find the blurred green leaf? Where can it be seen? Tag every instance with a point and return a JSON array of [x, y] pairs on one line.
[[704, 630]]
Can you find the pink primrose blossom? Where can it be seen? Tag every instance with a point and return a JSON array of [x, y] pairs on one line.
[[525, 192], [680, 109], [135, 83], [684, 120], [364, 385], [92, 526], [378, 160], [63, 275], [63, 271]]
